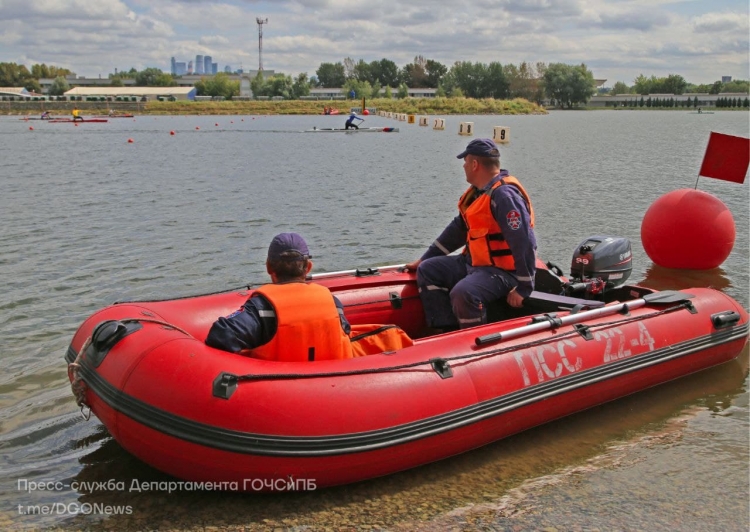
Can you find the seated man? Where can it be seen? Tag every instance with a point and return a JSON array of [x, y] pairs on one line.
[[495, 225], [289, 319]]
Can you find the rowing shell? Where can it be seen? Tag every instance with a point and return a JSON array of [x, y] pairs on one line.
[[60, 120], [360, 130]]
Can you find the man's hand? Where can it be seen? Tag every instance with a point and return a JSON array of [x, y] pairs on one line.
[[412, 266], [514, 299]]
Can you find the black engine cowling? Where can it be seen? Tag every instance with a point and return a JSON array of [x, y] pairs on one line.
[[602, 257]]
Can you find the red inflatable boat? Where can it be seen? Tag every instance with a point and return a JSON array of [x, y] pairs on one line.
[[240, 423]]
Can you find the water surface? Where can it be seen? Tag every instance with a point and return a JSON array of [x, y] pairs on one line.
[[89, 218]]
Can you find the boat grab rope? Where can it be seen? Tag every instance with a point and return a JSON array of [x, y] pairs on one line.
[[78, 385], [478, 355], [248, 286]]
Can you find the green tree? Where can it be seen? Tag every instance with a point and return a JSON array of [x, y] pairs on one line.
[[330, 75], [673, 84], [280, 85], [349, 65], [385, 72], [415, 74], [569, 85], [39, 71], [13, 75], [716, 87], [736, 85], [435, 72], [116, 81], [642, 85], [218, 85], [153, 77], [466, 76], [521, 81], [362, 89], [301, 86], [387, 93], [620, 88], [494, 84], [361, 71], [403, 91], [59, 86], [257, 85]]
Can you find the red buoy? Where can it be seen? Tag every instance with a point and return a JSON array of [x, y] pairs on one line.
[[365, 112], [31, 128], [171, 132], [130, 141], [688, 229]]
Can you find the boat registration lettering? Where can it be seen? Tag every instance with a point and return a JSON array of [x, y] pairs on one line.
[[616, 336], [539, 356], [549, 361]]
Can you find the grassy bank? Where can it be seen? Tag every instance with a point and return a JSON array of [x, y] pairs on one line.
[[430, 106], [424, 106]]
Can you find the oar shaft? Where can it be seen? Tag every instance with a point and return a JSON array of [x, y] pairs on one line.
[[558, 322], [352, 272]]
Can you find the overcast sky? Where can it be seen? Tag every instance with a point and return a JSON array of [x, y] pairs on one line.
[[701, 40]]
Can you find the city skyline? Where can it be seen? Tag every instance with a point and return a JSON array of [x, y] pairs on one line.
[[617, 39], [201, 65]]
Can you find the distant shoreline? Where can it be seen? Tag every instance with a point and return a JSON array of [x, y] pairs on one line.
[[416, 106]]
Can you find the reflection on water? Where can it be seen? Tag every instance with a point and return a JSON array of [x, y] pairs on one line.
[[660, 278]]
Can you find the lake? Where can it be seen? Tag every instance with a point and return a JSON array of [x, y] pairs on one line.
[[90, 218]]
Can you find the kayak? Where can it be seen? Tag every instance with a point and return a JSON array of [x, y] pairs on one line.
[[360, 130], [114, 116], [242, 423], [61, 120]]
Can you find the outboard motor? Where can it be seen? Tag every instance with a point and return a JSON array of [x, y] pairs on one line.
[[599, 263]]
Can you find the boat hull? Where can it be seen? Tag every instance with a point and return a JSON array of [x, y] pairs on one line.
[[360, 130], [335, 422], [68, 120]]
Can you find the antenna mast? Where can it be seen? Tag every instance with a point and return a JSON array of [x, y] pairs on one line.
[[260, 22]]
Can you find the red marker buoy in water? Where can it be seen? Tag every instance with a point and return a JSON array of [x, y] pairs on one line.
[[688, 229], [171, 132], [365, 112], [31, 128], [130, 141]]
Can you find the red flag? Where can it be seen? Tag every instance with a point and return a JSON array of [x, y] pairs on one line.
[[727, 157]]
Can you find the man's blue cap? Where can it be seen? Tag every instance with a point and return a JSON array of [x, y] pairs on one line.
[[480, 148], [288, 242]]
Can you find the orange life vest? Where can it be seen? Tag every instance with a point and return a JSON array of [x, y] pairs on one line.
[[308, 325], [484, 238]]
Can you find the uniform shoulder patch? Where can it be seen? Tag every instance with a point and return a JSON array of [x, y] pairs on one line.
[[513, 218]]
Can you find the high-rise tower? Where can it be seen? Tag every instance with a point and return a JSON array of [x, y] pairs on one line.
[[260, 22]]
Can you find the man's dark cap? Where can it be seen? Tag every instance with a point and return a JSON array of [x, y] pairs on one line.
[[286, 243], [480, 148]]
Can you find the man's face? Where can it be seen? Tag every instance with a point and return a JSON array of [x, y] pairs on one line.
[[469, 168]]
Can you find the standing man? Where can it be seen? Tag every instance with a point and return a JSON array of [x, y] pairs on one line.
[[350, 121], [496, 225]]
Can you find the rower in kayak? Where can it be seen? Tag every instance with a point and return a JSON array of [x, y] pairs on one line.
[[77, 115], [350, 121]]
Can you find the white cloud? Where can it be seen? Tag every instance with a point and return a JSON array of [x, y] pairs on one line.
[[618, 39]]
